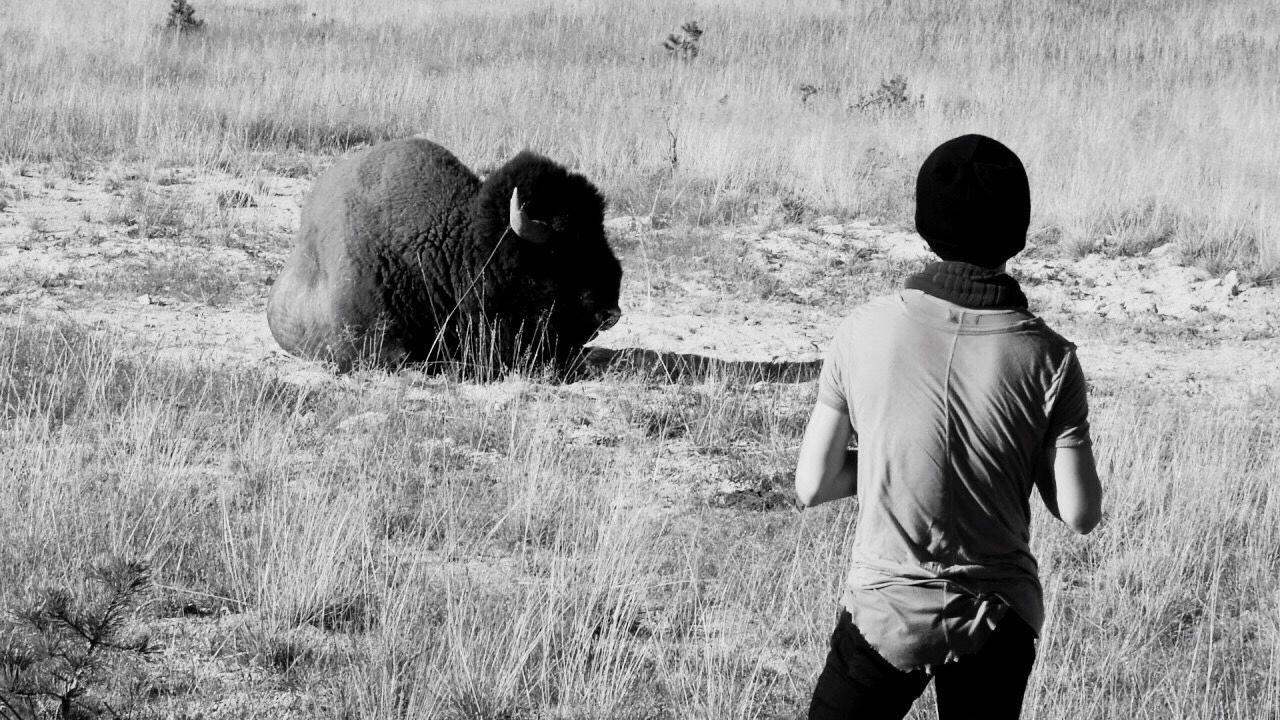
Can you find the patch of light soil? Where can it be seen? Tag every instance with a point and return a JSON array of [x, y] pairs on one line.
[[62, 237]]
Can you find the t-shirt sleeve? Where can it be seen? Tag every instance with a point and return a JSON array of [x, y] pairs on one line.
[[1069, 415], [831, 382]]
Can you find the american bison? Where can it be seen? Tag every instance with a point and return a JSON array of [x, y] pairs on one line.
[[404, 255]]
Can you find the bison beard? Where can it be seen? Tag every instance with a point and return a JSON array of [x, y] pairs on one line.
[[403, 255]]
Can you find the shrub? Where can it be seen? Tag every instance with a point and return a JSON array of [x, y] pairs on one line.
[[684, 44], [891, 96], [182, 18]]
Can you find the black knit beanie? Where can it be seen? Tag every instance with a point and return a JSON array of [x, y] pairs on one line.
[[973, 203]]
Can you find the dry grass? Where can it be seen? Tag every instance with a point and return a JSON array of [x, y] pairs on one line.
[[1140, 122], [429, 548]]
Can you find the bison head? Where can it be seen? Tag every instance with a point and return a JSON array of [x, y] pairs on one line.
[[551, 265]]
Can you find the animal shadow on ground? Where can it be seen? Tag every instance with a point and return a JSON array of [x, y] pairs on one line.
[[676, 367]]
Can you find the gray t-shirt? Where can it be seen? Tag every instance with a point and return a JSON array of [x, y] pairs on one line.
[[952, 409]]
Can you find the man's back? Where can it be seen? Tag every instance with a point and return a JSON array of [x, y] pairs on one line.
[[952, 407]]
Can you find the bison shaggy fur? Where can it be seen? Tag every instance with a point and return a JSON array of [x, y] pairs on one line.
[[404, 255]]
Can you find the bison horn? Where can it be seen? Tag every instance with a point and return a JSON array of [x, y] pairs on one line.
[[525, 227]]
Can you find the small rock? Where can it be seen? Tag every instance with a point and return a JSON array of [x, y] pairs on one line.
[[235, 199], [798, 233], [1231, 284], [365, 422], [909, 252], [143, 299], [1081, 306], [195, 610], [629, 223], [806, 294], [1142, 306], [1178, 307], [1164, 250]]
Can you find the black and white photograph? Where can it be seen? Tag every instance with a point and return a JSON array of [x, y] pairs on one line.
[[675, 360]]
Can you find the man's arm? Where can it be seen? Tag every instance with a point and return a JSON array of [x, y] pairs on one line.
[[826, 468], [1068, 483]]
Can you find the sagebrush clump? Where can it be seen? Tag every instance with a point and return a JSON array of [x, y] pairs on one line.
[[891, 96], [684, 44]]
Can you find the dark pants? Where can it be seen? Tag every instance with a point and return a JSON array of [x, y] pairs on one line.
[[858, 683]]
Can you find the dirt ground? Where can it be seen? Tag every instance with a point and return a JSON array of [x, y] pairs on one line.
[[181, 261]]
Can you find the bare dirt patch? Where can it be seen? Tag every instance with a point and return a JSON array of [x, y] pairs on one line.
[[181, 261]]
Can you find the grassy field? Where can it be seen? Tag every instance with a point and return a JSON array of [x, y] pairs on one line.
[[1140, 122], [612, 548], [406, 545]]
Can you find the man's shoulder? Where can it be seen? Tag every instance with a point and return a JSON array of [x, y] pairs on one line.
[[902, 311], [1053, 338], [874, 310]]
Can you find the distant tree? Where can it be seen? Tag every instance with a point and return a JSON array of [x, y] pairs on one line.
[[182, 18]]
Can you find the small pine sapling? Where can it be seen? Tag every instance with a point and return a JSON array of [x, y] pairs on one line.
[[58, 651]]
